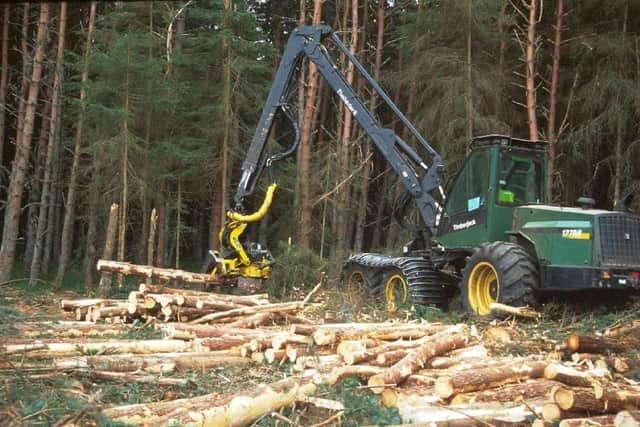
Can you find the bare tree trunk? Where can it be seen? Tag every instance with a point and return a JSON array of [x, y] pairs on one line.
[[69, 214], [178, 223], [304, 206], [343, 195], [501, 53], [46, 205], [620, 125], [52, 233], [3, 78], [162, 235], [37, 178], [109, 244], [23, 149], [122, 230], [24, 83], [469, 86], [531, 72], [553, 101]]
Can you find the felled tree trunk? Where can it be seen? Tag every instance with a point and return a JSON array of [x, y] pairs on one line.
[[587, 344], [627, 419], [573, 377], [467, 415], [602, 420], [415, 360], [583, 399], [528, 390], [128, 269], [277, 308], [491, 377]]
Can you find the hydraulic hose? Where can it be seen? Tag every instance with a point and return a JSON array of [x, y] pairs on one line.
[[260, 213]]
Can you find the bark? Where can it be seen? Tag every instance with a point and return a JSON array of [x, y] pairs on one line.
[[255, 299], [254, 320], [552, 413], [162, 231], [46, 202], [3, 79], [23, 148], [153, 226], [537, 389], [553, 100], [124, 197], [90, 246], [342, 225], [109, 245], [305, 226], [128, 269], [631, 328], [518, 311], [531, 71], [24, 82], [69, 213], [583, 399], [573, 377], [588, 344], [416, 359], [620, 126], [501, 53], [330, 334], [37, 179], [487, 378]]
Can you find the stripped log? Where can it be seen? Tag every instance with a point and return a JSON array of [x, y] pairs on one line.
[[627, 419], [388, 358], [552, 413], [71, 305], [619, 364], [236, 409], [490, 377], [326, 335], [129, 269], [339, 373], [396, 397], [127, 377], [468, 415], [517, 311], [75, 329], [282, 339], [255, 299], [254, 320], [273, 308], [629, 329], [417, 359], [39, 350], [601, 420]]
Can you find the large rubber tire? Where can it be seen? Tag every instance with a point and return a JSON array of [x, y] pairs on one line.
[[360, 281], [499, 272]]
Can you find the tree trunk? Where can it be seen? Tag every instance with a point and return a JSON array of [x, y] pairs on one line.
[[490, 377], [469, 81], [109, 245], [3, 79], [24, 82], [69, 214], [122, 221], [125, 269], [37, 179], [305, 226], [531, 71], [23, 149], [501, 52], [162, 220], [553, 101], [620, 126], [46, 205]]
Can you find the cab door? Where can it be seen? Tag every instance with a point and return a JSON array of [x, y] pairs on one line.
[[464, 220]]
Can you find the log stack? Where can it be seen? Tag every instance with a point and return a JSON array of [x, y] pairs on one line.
[[435, 374]]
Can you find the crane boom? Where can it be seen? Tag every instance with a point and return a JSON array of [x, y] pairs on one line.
[[307, 41]]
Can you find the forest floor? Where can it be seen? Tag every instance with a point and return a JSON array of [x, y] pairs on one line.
[[31, 396]]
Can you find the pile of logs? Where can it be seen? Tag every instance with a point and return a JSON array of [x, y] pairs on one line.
[[435, 374], [180, 305]]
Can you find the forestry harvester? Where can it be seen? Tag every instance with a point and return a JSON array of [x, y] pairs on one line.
[[491, 236]]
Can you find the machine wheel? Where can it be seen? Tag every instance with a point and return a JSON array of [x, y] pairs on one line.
[[358, 282], [396, 289], [499, 272]]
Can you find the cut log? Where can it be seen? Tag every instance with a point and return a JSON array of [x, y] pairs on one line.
[[518, 311], [416, 359], [39, 350], [281, 340], [71, 305], [237, 409], [602, 420], [339, 373], [326, 335], [316, 362], [627, 419], [491, 377], [395, 397], [129, 269], [619, 364], [272, 308], [78, 329], [468, 415], [588, 344], [388, 358], [629, 329], [583, 399], [254, 320], [127, 377], [500, 334], [272, 355], [534, 389], [573, 377]]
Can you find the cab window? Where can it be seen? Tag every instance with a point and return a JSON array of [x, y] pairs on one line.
[[519, 180], [469, 191]]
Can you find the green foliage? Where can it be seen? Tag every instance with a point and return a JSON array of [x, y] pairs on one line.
[[297, 270], [362, 406]]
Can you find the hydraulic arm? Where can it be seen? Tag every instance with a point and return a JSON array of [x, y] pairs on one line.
[[423, 182]]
